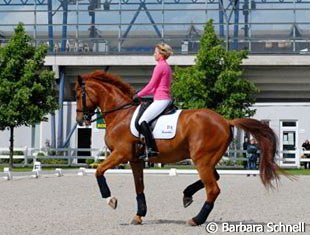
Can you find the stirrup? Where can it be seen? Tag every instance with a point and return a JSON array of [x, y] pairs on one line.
[[149, 153]]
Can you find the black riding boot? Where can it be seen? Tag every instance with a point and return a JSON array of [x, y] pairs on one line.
[[149, 141]]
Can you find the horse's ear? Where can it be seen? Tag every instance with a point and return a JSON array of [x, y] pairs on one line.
[[80, 80]]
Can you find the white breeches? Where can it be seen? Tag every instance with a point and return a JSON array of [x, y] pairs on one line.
[[156, 107]]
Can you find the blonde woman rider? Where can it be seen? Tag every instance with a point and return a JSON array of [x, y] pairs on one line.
[[158, 86]]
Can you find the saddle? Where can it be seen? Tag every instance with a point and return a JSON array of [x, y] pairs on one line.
[[145, 103]]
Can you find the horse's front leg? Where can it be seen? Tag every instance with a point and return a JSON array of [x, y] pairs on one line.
[[137, 170], [112, 161]]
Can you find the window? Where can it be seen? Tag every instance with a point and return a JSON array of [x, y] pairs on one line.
[[289, 123]]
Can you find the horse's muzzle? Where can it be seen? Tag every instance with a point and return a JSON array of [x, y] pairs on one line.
[[84, 118], [83, 122], [80, 122]]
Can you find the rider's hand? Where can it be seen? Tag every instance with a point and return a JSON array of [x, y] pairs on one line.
[[136, 99]]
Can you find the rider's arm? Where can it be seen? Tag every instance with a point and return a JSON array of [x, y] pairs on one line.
[[149, 89]]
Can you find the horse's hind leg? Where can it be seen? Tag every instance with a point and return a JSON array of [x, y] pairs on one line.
[[208, 178], [193, 188]]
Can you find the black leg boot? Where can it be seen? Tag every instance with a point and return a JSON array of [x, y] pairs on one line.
[[149, 140]]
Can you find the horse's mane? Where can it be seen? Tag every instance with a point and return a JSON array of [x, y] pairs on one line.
[[111, 79]]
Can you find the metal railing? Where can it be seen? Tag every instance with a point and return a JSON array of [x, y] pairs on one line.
[[125, 27], [80, 156]]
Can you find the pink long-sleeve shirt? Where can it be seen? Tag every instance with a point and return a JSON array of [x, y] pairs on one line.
[[160, 83]]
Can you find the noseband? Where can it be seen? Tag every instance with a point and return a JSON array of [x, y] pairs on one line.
[[87, 114]]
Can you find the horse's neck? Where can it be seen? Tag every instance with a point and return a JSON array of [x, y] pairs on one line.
[[119, 118], [111, 100]]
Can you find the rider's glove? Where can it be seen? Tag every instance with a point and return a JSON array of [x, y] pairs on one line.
[[136, 99]]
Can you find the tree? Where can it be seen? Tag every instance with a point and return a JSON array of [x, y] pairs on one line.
[[215, 81], [27, 90]]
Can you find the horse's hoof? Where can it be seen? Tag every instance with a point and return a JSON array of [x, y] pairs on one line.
[[187, 201], [112, 202], [136, 220], [191, 222]]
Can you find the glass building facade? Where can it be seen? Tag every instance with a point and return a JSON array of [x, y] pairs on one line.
[[134, 26]]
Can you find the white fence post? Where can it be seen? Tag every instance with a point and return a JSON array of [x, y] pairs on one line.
[[36, 169], [69, 156], [299, 153], [82, 171], [58, 172], [8, 174], [25, 156], [173, 172]]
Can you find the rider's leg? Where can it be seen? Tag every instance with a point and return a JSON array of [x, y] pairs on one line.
[[149, 140], [149, 114]]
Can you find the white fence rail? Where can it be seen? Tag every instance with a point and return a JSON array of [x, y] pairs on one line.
[[70, 156], [78, 156], [7, 174]]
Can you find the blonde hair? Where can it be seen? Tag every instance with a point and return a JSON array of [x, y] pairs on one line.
[[164, 49]]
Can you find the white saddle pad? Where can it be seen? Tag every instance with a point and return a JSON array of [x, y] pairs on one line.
[[165, 127]]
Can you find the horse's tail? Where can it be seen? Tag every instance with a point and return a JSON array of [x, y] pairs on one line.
[[267, 141]]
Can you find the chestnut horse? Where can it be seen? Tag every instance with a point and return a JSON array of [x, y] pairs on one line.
[[202, 135]]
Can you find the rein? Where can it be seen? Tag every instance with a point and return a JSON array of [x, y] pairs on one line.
[[124, 106], [87, 115]]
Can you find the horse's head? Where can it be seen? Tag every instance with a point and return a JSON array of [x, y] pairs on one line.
[[86, 102], [103, 89]]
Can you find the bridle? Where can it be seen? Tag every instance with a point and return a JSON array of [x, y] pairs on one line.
[[87, 114]]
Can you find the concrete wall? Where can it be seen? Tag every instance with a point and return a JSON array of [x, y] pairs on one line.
[[277, 112], [280, 78], [37, 137]]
